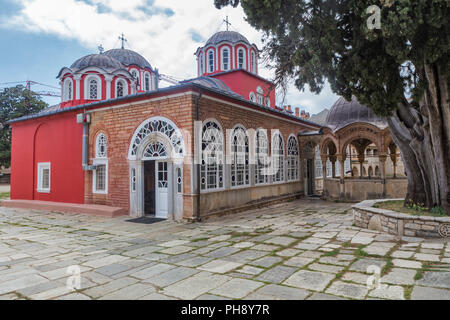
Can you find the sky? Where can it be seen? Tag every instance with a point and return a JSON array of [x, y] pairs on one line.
[[39, 37]]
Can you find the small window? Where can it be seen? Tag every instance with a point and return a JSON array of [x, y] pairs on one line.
[[93, 89], [253, 63], [211, 61], [100, 179], [147, 82], [252, 97], [179, 181], [44, 177], [267, 103], [133, 180], [101, 146], [68, 90], [241, 61], [136, 77], [119, 89], [225, 59]]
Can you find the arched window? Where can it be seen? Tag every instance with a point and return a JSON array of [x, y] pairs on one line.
[[212, 156], [119, 89], [292, 160], [259, 95], [262, 157], [225, 59], [241, 58], [252, 97], [147, 82], [253, 62], [278, 157], [210, 61], [135, 75], [100, 176], [93, 89], [101, 146], [68, 90], [239, 157]]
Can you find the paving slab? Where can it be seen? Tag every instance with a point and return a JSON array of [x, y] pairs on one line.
[[276, 274], [195, 286], [435, 279], [220, 266], [349, 290], [426, 293], [236, 288], [309, 280], [400, 276], [278, 292]]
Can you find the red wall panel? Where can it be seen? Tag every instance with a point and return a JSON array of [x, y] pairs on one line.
[[58, 140]]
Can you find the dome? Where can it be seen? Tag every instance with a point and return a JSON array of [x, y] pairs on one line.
[[97, 60], [227, 36], [344, 112], [128, 57]]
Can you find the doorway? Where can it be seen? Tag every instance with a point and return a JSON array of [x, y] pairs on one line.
[[149, 187], [156, 188]]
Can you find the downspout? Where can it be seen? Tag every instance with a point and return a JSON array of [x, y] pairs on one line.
[[198, 219], [85, 119]]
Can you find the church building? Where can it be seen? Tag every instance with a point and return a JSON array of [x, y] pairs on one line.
[[209, 145]]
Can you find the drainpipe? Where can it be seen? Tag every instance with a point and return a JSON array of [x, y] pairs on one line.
[[85, 119], [198, 164]]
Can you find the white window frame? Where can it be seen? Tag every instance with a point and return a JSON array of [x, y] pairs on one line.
[[125, 87], [293, 160], [258, 166], [276, 155], [147, 77], [234, 160], [243, 58], [253, 62], [66, 89], [259, 96], [99, 162], [252, 97], [87, 81], [222, 58], [136, 76], [267, 102], [209, 61], [220, 171], [41, 166]]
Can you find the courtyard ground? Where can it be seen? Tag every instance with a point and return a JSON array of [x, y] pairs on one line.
[[305, 249]]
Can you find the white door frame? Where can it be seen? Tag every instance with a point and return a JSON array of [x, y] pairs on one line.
[[163, 195]]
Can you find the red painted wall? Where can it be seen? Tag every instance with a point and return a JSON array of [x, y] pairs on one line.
[[243, 83], [58, 140]]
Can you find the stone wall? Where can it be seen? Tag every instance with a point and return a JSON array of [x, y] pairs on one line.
[[363, 189], [400, 224]]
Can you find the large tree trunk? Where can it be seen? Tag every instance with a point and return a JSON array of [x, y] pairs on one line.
[[422, 135]]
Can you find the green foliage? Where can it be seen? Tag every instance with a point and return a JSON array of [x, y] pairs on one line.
[[314, 40], [15, 102]]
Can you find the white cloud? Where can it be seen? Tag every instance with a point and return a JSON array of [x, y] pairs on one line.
[[164, 39]]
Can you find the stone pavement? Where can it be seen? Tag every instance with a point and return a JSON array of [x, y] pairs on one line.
[[305, 249]]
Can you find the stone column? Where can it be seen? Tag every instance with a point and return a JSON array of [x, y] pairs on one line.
[[333, 166], [341, 159], [77, 78], [324, 172], [108, 79], [382, 159], [361, 159], [394, 163]]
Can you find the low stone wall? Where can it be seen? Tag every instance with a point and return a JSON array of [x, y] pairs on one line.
[[362, 189], [396, 223]]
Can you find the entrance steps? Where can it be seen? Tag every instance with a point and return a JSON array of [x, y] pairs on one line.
[[72, 208]]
